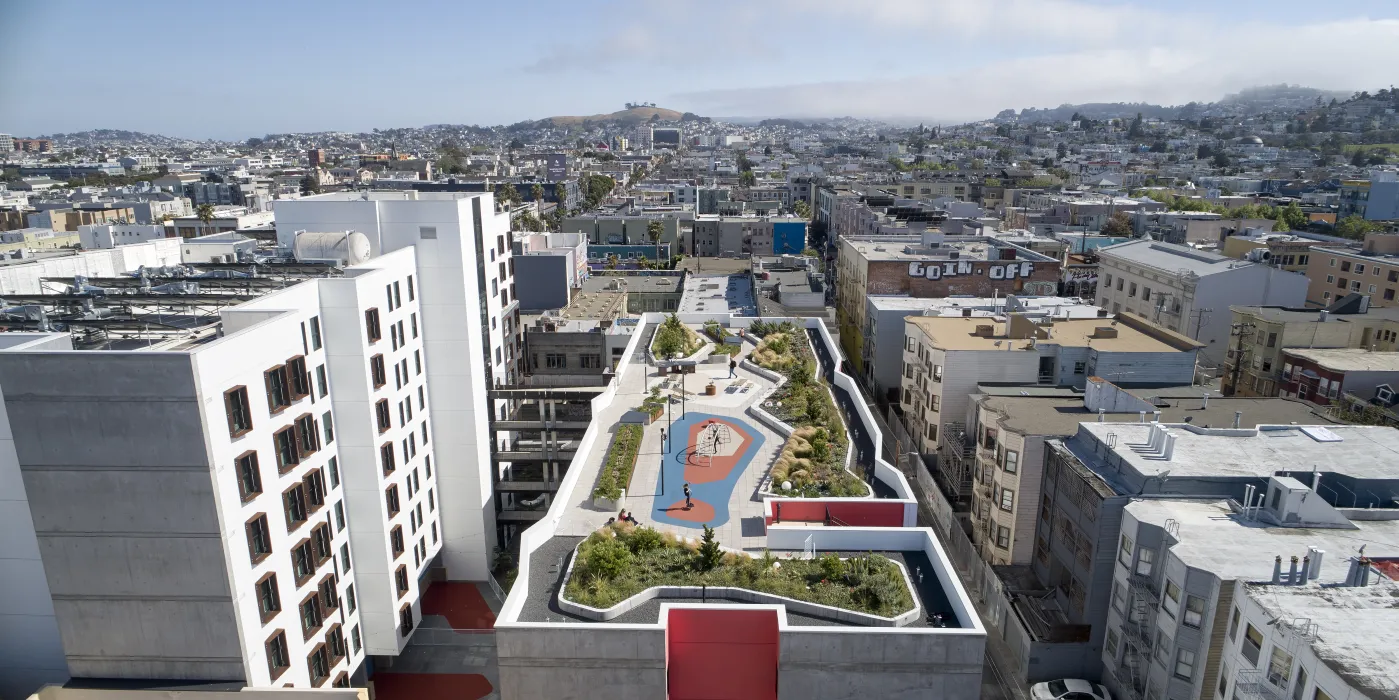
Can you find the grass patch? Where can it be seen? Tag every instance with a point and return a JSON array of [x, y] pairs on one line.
[[813, 458], [674, 339], [622, 560], [1367, 147], [621, 460], [728, 349]]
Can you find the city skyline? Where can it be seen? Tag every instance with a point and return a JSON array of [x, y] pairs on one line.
[[360, 66]]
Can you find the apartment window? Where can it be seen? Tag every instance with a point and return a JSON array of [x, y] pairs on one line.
[[1110, 644], [1185, 664], [1132, 290], [1119, 284], [288, 455], [1345, 266], [1107, 280], [311, 617], [322, 386], [294, 506], [1320, 694], [400, 579], [1119, 600], [1145, 557], [405, 620], [431, 502], [417, 362], [590, 361], [249, 478], [307, 436], [1253, 644], [937, 373], [1299, 688], [1002, 537], [315, 332], [434, 528], [396, 540], [391, 499], [339, 516], [278, 396], [1146, 293], [259, 539], [318, 664], [1360, 268], [335, 642], [1341, 283], [328, 428], [277, 660], [394, 336], [320, 540], [424, 431], [1194, 611], [1164, 645], [1223, 689], [376, 371], [1330, 279], [1007, 499], [1280, 667], [381, 412], [303, 563], [410, 287], [386, 457], [297, 378], [354, 638], [345, 568], [350, 602], [1012, 461], [1124, 553], [1333, 262], [269, 600], [397, 296], [1171, 603], [555, 360], [371, 325], [413, 324], [240, 418], [326, 588], [1080, 367]]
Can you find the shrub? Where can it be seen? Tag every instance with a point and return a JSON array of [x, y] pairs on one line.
[[832, 568], [709, 552], [621, 460], [604, 555], [643, 539]]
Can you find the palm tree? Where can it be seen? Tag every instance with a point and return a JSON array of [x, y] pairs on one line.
[[205, 212], [654, 229], [536, 192]]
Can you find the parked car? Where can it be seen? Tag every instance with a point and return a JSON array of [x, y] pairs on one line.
[[1069, 689]]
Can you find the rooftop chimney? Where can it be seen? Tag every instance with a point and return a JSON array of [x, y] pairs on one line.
[[1238, 418], [1168, 448], [1292, 572], [1204, 402], [1277, 569], [1314, 555]]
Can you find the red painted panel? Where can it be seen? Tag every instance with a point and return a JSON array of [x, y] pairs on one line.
[[873, 513], [721, 654]]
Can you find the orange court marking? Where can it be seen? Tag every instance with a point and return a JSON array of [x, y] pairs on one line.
[[717, 467], [699, 512]]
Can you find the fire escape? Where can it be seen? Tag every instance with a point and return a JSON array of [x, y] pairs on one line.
[[1138, 636]]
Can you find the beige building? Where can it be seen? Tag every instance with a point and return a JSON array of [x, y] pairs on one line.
[[945, 359], [1254, 363], [1373, 270], [1285, 250]]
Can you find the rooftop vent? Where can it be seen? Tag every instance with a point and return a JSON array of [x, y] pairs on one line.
[[1104, 332], [985, 331]]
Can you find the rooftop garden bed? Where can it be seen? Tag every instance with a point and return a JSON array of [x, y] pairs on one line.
[[813, 459], [622, 560], [675, 339], [621, 460]]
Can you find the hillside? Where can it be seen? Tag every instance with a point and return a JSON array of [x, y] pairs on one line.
[[634, 115]]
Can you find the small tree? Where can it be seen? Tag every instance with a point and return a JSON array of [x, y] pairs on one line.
[[310, 184], [1119, 225], [508, 193], [536, 192], [709, 552], [654, 229], [205, 212], [802, 209]]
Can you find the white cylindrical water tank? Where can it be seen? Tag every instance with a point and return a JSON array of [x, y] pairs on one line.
[[346, 247]]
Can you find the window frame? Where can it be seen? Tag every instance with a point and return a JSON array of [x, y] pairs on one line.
[[374, 331], [243, 410], [248, 493], [275, 671], [254, 554], [270, 580], [278, 389]]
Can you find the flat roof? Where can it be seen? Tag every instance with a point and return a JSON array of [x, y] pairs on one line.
[[1171, 257], [652, 284], [1363, 452], [1212, 537], [959, 333], [1061, 415], [890, 302], [1348, 359], [595, 305], [911, 248], [718, 294]]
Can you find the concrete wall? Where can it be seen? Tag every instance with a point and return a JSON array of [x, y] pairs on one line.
[[119, 483], [818, 663], [548, 286], [582, 662]]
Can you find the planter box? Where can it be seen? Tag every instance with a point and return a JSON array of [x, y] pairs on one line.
[[609, 505]]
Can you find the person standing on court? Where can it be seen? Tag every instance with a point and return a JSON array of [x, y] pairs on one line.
[[733, 365], [688, 502]]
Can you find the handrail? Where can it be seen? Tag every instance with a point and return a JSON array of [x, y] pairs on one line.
[[833, 520]]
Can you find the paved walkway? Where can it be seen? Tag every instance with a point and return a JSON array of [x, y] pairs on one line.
[[743, 527]]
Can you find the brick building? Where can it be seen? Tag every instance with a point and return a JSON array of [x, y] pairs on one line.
[[930, 266]]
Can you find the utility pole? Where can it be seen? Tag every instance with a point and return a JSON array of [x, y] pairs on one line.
[[1240, 330]]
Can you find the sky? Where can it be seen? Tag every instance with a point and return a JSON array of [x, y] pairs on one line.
[[203, 69]]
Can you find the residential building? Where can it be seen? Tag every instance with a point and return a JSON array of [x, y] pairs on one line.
[[32, 275], [1289, 251], [641, 293], [881, 353], [33, 145], [66, 219], [1254, 363], [1376, 199], [929, 266], [229, 497], [1012, 425], [743, 236], [1322, 375], [1189, 291], [572, 352], [1089, 558], [627, 229], [1373, 270], [225, 220], [481, 347], [945, 358]]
